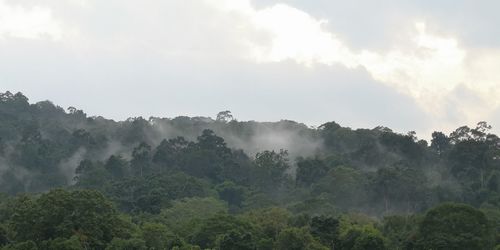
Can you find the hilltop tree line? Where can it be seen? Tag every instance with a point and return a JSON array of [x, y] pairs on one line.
[[71, 181]]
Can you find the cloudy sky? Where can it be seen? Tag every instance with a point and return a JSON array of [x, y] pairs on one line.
[[408, 65]]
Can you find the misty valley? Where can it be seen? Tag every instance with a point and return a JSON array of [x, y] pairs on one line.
[[73, 181]]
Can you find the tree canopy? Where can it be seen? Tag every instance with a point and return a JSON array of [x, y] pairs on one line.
[[72, 181]]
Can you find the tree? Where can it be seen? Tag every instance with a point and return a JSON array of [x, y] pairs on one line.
[[329, 133], [481, 131], [270, 221], [127, 244], [398, 184], [72, 243], [208, 157], [440, 142], [168, 153], [184, 213], [222, 226], [361, 238], [297, 239], [271, 167], [134, 130], [494, 181], [26, 245], [471, 161], [400, 230], [460, 134], [91, 175], [231, 193], [235, 239], [310, 170], [224, 116], [455, 226], [326, 229], [86, 215], [157, 236], [77, 112], [154, 192], [141, 159], [345, 186], [116, 166]]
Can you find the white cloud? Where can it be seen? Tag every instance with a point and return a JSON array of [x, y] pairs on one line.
[[289, 33], [28, 23], [296, 35], [425, 66]]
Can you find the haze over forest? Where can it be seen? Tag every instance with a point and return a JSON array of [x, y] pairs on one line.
[[191, 182]]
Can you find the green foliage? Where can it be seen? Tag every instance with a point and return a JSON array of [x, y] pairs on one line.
[[440, 143], [224, 228], [127, 244], [310, 170], [271, 167], [297, 239], [26, 245], [455, 226], [401, 186], [186, 213], [326, 230], [151, 193], [168, 153], [269, 221], [207, 158], [86, 215], [157, 236], [233, 194], [361, 238], [235, 239], [90, 175], [189, 183], [141, 160], [72, 243], [345, 186], [315, 206], [116, 166], [400, 230]]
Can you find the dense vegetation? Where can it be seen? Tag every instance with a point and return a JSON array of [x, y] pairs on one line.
[[76, 182]]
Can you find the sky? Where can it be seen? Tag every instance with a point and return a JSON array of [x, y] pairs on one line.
[[408, 65]]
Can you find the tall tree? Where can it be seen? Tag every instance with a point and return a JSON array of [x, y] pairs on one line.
[[455, 226]]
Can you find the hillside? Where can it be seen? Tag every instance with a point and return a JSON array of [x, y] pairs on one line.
[[90, 182]]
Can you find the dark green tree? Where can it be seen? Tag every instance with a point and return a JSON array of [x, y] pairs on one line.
[[455, 226], [326, 230], [310, 170], [141, 159]]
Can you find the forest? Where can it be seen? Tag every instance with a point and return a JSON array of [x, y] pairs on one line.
[[73, 181]]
